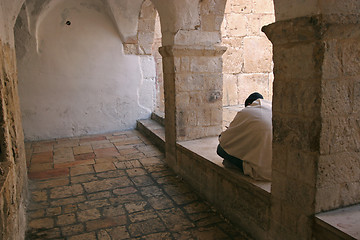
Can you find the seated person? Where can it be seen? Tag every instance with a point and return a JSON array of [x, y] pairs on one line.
[[247, 142]]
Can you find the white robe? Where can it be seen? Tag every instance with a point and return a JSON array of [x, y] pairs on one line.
[[249, 137]]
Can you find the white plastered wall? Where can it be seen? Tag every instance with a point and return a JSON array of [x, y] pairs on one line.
[[75, 79]]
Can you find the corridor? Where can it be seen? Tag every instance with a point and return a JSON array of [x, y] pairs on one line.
[[113, 186]]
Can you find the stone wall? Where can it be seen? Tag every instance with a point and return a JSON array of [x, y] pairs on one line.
[[75, 78], [248, 59], [13, 174], [243, 203]]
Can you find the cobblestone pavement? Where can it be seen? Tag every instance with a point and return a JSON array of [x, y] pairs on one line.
[[113, 186]]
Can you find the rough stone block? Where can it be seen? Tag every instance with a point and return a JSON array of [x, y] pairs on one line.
[[257, 55], [236, 25], [233, 60], [264, 6], [249, 83]]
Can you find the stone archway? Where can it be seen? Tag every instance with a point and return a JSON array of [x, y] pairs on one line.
[[247, 66]]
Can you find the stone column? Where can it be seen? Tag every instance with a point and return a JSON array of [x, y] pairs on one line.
[[193, 94], [315, 120]]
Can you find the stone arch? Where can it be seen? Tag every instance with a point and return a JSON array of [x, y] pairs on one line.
[[247, 63]]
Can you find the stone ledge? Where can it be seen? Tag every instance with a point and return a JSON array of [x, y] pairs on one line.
[[205, 148], [202, 148], [342, 223]]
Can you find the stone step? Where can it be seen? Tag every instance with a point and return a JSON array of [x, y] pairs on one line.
[[159, 117], [154, 131]]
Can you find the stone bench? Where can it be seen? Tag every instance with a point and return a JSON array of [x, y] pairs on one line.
[[339, 224]]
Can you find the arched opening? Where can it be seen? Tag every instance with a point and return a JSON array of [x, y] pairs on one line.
[[78, 73], [247, 63]]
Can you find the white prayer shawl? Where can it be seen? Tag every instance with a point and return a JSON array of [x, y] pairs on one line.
[[249, 137]]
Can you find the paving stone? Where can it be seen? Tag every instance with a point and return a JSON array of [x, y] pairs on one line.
[[52, 183], [92, 139], [106, 222], [101, 145], [126, 198], [82, 149], [114, 210], [114, 197], [51, 173], [175, 219], [103, 235], [84, 236], [156, 236], [53, 233], [146, 227], [69, 208], [124, 191], [111, 174], [209, 233], [83, 178], [106, 160], [106, 152], [107, 184], [38, 167], [160, 202], [142, 181], [134, 156], [127, 141], [93, 204], [37, 205], [84, 156], [142, 216], [39, 196], [119, 233], [65, 219], [53, 211], [43, 148], [67, 201], [151, 161], [74, 163], [135, 207], [103, 167], [66, 191], [151, 191], [98, 195], [44, 157], [128, 151], [72, 230], [127, 164], [79, 170], [163, 173], [135, 172], [36, 214], [88, 215], [42, 223]]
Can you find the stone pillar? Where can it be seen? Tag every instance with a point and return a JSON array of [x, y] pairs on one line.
[[193, 94], [315, 120]]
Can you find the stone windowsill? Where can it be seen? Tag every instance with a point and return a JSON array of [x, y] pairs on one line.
[[206, 149], [344, 222]]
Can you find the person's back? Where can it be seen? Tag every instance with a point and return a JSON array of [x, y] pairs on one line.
[[249, 138]]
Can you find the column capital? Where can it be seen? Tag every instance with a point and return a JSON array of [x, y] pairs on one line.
[[313, 28], [184, 50]]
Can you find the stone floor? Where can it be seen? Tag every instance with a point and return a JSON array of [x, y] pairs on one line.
[[114, 186]]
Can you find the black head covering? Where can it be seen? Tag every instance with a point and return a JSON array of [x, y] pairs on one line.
[[252, 98]]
